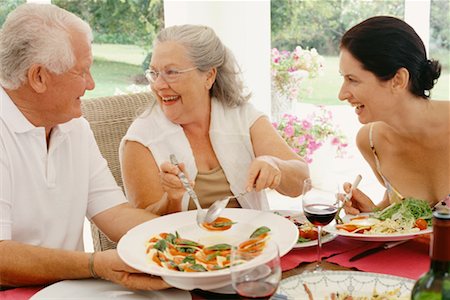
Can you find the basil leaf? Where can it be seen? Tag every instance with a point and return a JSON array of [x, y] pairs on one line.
[[302, 240], [189, 259], [259, 231], [160, 245], [222, 224], [219, 247], [212, 256], [170, 238], [186, 249], [217, 267], [186, 242], [198, 268]]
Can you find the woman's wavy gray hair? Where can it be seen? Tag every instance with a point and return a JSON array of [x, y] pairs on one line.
[[207, 51], [37, 34]]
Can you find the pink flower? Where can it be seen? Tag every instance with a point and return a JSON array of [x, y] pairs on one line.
[[306, 135], [335, 141], [289, 131], [306, 124]]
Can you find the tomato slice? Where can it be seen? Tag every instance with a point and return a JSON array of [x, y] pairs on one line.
[[310, 234], [219, 224], [359, 218], [421, 224]]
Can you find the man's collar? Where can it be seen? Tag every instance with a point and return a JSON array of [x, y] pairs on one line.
[[16, 120], [11, 115]]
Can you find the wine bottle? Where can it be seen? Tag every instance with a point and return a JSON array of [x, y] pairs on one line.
[[435, 284]]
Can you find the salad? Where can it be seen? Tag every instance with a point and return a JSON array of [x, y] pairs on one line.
[[306, 230], [172, 252], [410, 215]]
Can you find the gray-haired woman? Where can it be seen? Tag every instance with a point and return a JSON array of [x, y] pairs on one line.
[[202, 115]]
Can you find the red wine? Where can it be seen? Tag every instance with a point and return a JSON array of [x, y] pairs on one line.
[[320, 214], [256, 289]]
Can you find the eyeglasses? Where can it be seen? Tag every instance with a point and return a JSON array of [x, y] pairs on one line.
[[169, 76]]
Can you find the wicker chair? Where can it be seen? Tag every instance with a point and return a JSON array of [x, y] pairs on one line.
[[110, 118]]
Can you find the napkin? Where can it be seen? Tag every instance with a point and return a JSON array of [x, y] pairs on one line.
[[309, 254], [410, 259]]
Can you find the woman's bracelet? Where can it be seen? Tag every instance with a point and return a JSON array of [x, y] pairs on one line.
[[91, 266]]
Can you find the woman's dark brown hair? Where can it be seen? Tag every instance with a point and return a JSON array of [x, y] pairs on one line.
[[385, 44]]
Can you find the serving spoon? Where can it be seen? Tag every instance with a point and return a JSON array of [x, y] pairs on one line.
[[216, 208], [201, 214]]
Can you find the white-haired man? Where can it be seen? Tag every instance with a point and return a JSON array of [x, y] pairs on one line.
[[52, 173]]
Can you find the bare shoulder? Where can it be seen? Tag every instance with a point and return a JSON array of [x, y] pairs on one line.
[[136, 154], [362, 138], [440, 117], [380, 135], [443, 108], [132, 146], [263, 128]]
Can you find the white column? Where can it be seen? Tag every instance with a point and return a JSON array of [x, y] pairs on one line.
[[244, 27], [417, 14]]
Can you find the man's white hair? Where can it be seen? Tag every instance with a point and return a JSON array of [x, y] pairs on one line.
[[37, 34]]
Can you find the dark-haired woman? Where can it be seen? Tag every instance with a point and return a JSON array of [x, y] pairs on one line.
[[406, 136]]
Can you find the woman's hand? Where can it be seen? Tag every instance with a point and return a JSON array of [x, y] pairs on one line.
[[263, 173], [358, 203], [170, 182], [109, 266]]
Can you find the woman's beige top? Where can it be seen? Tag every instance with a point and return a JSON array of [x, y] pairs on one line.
[[211, 186]]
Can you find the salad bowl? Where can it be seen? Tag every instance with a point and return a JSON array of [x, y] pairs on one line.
[[132, 246]]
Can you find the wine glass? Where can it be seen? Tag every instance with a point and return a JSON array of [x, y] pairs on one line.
[[320, 204], [256, 275]]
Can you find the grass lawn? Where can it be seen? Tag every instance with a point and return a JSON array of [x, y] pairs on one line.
[[130, 54], [116, 66], [109, 75]]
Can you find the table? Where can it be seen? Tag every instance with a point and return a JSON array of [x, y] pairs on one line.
[[335, 256], [394, 261], [200, 295]]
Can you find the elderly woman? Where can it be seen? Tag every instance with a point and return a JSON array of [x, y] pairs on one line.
[[203, 116], [406, 136]]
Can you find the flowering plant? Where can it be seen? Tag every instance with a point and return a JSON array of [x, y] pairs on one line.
[[290, 68], [305, 136]]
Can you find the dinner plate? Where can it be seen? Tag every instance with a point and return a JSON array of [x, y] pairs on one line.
[[132, 250], [322, 284], [331, 228], [328, 237], [96, 289]]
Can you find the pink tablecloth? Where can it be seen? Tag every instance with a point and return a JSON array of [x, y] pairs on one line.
[[410, 259], [24, 293], [300, 255]]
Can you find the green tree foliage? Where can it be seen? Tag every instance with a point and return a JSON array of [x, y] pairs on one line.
[[119, 21], [6, 6], [320, 23], [440, 23]]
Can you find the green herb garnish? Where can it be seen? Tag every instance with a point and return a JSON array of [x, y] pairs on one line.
[[259, 231]]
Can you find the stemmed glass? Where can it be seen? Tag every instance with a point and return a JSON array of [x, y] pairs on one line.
[[320, 204], [256, 275]]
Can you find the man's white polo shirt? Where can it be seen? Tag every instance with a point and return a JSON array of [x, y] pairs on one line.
[[46, 193]]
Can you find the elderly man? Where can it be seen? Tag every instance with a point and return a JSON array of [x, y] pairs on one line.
[[52, 173]]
